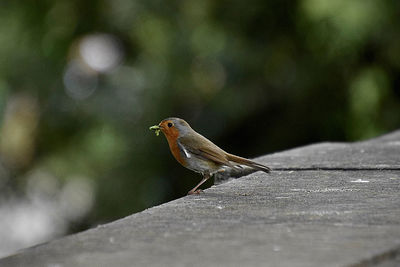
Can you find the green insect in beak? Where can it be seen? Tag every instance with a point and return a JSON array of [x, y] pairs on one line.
[[156, 129]]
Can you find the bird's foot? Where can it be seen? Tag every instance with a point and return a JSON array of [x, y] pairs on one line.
[[196, 192]]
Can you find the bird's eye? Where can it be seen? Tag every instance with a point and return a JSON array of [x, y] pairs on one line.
[[169, 124]]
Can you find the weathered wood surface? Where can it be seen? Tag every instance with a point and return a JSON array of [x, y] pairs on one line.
[[329, 204]]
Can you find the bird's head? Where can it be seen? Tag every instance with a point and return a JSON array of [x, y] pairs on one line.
[[172, 127]]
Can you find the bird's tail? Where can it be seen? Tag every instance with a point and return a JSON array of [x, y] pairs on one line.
[[248, 162]]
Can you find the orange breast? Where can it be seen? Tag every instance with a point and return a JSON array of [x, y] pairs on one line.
[[172, 137]]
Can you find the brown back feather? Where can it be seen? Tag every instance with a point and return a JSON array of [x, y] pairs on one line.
[[248, 162], [201, 146]]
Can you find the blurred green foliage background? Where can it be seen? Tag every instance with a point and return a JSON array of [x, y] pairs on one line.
[[81, 82]]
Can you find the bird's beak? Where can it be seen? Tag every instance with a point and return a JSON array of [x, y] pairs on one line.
[[156, 129]]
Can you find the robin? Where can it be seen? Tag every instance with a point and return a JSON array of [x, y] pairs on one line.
[[197, 153]]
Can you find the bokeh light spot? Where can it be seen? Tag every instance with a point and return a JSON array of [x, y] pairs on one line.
[[79, 82], [101, 52]]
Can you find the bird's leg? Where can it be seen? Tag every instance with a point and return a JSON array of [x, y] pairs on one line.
[[194, 190]]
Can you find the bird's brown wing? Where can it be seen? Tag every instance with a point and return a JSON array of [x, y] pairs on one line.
[[204, 148]]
